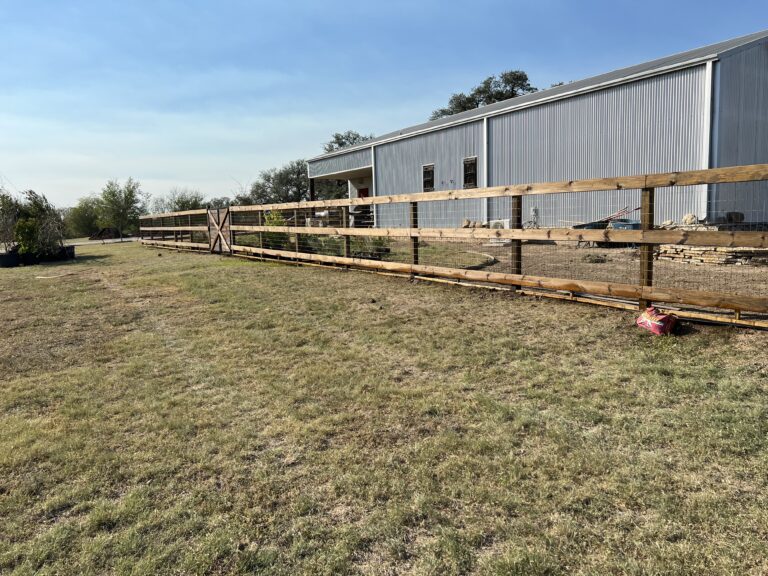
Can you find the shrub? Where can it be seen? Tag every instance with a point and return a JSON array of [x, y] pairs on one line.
[[327, 245], [9, 214], [26, 235], [370, 248], [36, 224], [276, 240]]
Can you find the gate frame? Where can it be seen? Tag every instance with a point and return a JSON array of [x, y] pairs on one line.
[[217, 227]]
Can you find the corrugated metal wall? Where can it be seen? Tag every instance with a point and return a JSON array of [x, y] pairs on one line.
[[398, 169], [741, 135], [350, 161], [652, 125]]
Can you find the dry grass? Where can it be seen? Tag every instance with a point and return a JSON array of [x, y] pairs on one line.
[[203, 415]]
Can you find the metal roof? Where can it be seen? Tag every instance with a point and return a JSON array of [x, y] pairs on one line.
[[624, 74]]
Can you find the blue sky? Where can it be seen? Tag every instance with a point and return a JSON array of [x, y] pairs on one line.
[[207, 94]]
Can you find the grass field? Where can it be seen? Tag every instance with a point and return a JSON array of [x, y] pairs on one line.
[[166, 412]]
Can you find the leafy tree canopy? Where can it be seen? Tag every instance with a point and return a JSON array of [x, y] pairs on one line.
[[220, 202], [289, 183], [509, 84], [345, 139], [179, 199], [286, 184], [121, 205], [83, 219]]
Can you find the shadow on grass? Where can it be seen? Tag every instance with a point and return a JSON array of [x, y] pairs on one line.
[[91, 257], [76, 260], [686, 328]]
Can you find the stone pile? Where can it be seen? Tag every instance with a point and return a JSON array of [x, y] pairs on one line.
[[713, 255]]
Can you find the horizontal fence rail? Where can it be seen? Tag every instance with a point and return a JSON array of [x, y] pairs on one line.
[[342, 234], [679, 237]]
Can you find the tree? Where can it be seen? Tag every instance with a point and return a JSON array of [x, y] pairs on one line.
[[83, 218], [179, 199], [332, 189], [289, 183], [509, 84], [121, 206], [220, 202], [345, 139], [159, 204]]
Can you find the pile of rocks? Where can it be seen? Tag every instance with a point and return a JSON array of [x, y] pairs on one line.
[[718, 255]]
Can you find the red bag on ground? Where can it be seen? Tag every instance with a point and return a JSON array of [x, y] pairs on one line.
[[656, 322]]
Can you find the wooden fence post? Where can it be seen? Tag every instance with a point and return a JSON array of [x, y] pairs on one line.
[[516, 222], [647, 201], [414, 239], [208, 221], [296, 225], [345, 224], [230, 232]]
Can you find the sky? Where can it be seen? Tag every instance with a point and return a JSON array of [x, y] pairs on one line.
[[206, 94]]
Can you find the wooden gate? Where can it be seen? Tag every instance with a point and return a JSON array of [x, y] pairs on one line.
[[219, 231]]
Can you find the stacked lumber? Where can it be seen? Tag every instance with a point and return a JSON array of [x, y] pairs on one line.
[[717, 255]]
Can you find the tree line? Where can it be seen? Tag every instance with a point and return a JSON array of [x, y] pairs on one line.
[[30, 224], [119, 205]]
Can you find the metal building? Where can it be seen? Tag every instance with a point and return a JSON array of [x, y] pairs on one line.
[[704, 108]]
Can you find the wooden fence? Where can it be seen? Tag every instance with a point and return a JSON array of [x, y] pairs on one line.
[[222, 231]]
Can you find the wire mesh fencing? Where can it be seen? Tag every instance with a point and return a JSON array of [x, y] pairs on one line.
[[683, 240]]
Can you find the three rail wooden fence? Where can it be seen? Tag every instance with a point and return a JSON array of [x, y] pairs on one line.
[[222, 231]]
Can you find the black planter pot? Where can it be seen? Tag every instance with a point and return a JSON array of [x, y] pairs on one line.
[[14, 258], [9, 260], [64, 253]]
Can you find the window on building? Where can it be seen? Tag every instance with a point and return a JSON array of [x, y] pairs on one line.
[[470, 172], [428, 178]]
